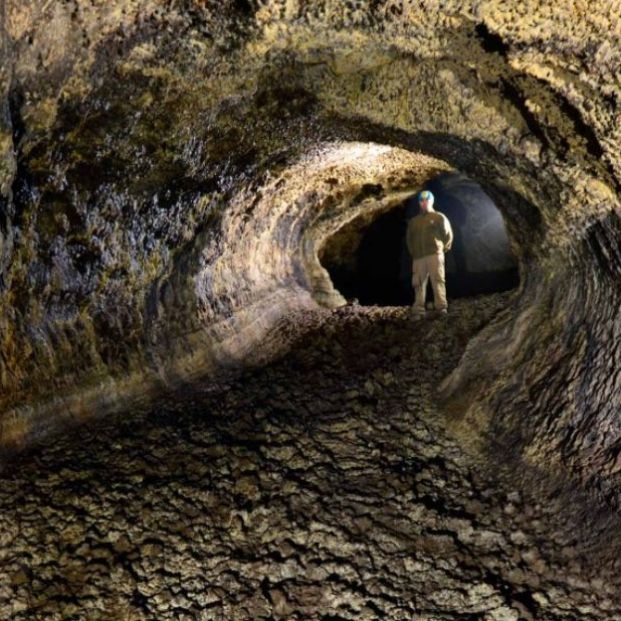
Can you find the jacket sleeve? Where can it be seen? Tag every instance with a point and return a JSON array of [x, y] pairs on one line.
[[447, 233]]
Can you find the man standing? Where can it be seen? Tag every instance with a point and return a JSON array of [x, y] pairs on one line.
[[429, 235]]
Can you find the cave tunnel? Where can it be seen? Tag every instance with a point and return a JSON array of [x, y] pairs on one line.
[[197, 423], [377, 267]]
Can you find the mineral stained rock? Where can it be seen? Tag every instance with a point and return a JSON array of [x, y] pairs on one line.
[[171, 171]]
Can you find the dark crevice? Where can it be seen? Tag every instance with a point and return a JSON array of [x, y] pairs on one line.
[[15, 103], [513, 94], [582, 128], [528, 601], [369, 190], [245, 7], [554, 138], [22, 187], [491, 41]]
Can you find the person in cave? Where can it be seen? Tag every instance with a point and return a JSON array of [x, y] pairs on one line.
[[429, 235]]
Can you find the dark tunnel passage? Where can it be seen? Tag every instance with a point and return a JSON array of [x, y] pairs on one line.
[[195, 424], [377, 268]]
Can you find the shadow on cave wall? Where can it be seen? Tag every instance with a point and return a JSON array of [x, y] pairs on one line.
[[377, 270]]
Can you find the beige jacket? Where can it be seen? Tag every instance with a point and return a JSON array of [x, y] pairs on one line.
[[429, 233]]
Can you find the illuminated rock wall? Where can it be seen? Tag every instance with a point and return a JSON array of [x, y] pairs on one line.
[[170, 171]]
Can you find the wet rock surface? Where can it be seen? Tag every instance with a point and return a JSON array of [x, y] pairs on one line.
[[330, 484]]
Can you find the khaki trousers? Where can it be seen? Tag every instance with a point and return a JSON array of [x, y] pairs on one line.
[[431, 266]]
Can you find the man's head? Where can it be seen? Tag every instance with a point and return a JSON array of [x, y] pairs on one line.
[[425, 201]]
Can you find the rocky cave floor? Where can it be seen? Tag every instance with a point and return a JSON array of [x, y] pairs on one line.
[[327, 485]]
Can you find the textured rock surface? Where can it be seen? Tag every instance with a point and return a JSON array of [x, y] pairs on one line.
[[170, 171], [140, 245], [327, 485]]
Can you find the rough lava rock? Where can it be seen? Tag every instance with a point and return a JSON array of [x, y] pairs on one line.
[[170, 171], [328, 484]]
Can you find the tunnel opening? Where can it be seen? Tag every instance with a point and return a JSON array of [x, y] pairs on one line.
[[369, 263]]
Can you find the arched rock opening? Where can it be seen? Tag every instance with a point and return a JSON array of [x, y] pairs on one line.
[[170, 175], [156, 223], [373, 266], [481, 260]]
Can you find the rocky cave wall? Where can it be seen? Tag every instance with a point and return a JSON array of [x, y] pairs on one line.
[[170, 171]]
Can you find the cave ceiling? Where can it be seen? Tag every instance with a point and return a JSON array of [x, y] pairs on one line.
[[170, 172]]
